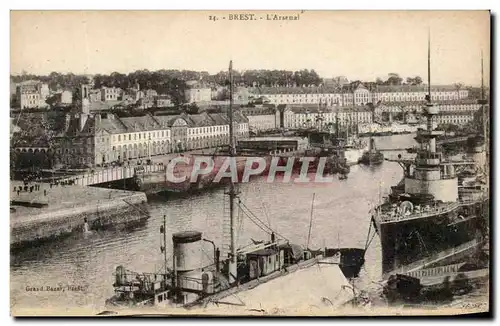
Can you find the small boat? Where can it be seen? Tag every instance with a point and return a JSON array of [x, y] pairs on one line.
[[372, 156]]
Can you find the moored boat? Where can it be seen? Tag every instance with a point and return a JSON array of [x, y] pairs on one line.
[[372, 156]]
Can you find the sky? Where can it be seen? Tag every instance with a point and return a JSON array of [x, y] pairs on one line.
[[361, 45]]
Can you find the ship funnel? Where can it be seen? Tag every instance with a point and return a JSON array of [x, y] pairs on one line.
[[120, 276]]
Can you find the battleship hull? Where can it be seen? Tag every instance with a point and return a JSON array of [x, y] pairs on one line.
[[432, 241]]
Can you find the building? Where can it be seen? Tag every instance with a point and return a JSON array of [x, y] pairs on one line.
[[163, 101], [95, 139], [110, 94], [357, 93], [458, 118], [300, 95], [94, 95], [32, 94], [386, 111], [242, 95], [201, 94], [412, 93], [146, 102], [66, 97], [261, 117], [206, 130], [296, 118], [61, 98], [138, 137]]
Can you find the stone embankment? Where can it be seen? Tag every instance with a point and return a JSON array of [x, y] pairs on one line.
[[52, 212]]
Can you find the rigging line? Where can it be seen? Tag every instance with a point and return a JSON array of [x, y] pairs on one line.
[[368, 235], [270, 229], [369, 243], [250, 212], [251, 219], [310, 221], [267, 215]]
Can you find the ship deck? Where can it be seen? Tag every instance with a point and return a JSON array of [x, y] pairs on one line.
[[318, 286], [387, 214]]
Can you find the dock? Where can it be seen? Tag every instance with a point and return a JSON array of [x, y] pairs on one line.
[[56, 211]]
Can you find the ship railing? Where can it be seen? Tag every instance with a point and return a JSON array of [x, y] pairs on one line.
[[421, 264], [436, 271], [471, 201], [396, 217], [260, 246]]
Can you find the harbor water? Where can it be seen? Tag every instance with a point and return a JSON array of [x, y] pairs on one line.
[[86, 262]]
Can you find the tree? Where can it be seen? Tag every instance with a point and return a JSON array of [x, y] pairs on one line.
[[394, 79], [176, 88], [51, 100], [192, 108], [223, 95], [458, 87]]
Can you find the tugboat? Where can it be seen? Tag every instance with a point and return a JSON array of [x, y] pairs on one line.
[[430, 221], [197, 278], [372, 156]]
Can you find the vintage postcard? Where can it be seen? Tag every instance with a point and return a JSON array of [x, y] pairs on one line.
[[293, 163]]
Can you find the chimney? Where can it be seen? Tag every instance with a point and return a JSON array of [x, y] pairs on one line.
[[97, 120]]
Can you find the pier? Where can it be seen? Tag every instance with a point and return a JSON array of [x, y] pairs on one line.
[[58, 211]]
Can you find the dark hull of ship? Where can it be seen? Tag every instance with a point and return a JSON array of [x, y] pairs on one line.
[[432, 241], [375, 158], [351, 260]]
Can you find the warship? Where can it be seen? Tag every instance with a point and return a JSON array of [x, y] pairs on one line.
[[428, 220]]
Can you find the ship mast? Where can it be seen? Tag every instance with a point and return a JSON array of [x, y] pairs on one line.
[[429, 64], [431, 111], [232, 270]]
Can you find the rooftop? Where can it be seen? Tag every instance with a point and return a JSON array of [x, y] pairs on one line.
[[352, 87]]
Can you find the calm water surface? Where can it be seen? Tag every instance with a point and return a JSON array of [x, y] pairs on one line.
[[340, 218]]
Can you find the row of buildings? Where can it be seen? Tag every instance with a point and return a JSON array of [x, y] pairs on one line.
[[357, 94], [95, 139], [33, 94], [265, 117]]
